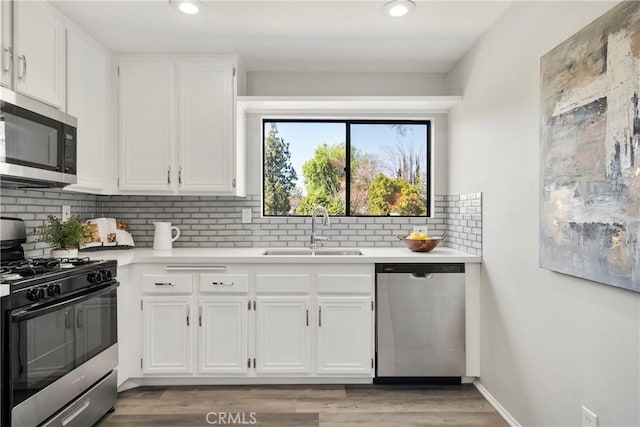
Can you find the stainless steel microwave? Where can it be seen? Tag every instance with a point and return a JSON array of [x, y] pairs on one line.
[[38, 146]]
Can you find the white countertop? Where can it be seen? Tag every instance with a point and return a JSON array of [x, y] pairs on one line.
[[4, 290], [255, 256]]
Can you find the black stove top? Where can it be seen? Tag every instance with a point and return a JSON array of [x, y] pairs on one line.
[[33, 272], [18, 270], [33, 267], [53, 279]]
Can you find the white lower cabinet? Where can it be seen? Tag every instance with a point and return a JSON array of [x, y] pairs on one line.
[[167, 335], [345, 335], [283, 335], [222, 335], [275, 321]]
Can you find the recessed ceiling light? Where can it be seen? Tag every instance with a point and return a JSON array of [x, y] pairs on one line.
[[190, 7], [399, 8]]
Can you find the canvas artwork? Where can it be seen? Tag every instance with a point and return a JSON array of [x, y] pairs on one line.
[[590, 152]]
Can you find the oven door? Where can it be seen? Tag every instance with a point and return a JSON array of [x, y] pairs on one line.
[[59, 350]]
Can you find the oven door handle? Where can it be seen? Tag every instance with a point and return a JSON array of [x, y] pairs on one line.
[[39, 311]]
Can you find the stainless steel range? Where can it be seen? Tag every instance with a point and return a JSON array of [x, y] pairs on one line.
[[59, 343]]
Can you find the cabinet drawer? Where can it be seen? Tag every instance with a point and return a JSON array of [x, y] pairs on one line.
[[166, 283], [283, 283], [224, 283], [361, 284]]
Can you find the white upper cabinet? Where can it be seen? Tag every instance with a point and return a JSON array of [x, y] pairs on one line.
[[87, 86], [6, 43], [39, 52], [177, 125], [205, 122], [147, 129]]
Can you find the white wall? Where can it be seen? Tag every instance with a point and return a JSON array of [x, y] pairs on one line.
[[281, 83], [549, 342]]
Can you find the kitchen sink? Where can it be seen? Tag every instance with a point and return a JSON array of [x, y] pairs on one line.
[[310, 252]]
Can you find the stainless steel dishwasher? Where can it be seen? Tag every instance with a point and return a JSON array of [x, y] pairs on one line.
[[420, 332]]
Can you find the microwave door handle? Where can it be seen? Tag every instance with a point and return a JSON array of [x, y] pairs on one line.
[[39, 311]]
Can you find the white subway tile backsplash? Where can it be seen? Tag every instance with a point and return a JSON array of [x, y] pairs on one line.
[[216, 221]]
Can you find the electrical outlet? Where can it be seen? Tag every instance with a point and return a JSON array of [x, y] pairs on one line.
[[66, 212], [589, 419], [246, 216], [420, 229]]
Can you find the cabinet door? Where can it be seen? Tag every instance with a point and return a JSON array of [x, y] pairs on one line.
[[223, 335], [167, 335], [39, 57], [146, 126], [6, 43], [345, 335], [283, 335], [87, 100], [206, 152]]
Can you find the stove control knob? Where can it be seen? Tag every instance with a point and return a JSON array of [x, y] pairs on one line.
[[95, 277], [107, 275], [36, 294], [54, 289], [32, 295]]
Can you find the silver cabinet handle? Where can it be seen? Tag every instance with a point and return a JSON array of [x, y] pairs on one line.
[[200, 315], [222, 283], [319, 316], [7, 59], [180, 175], [164, 284], [79, 318], [67, 321], [307, 317], [188, 315], [195, 267], [23, 59], [169, 175]]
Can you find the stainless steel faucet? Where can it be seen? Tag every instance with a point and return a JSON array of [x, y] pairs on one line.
[[325, 221]]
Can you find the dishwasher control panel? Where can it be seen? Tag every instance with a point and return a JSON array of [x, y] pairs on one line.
[[420, 268]]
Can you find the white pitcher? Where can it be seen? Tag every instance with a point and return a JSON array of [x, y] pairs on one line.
[[162, 238]]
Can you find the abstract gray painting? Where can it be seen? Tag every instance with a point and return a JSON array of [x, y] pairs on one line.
[[590, 152]]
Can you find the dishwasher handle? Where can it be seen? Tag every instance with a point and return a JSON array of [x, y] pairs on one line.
[[422, 268]]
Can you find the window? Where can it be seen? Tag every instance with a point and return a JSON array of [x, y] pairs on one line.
[[387, 171]]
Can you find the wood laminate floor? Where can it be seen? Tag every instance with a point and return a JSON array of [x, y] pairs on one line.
[[303, 406]]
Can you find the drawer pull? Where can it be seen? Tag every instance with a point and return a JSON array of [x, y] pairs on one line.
[[165, 284], [222, 283], [195, 267]]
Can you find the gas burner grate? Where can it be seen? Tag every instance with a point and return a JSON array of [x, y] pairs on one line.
[[46, 263], [76, 261]]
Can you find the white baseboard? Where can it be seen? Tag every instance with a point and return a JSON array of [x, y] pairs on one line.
[[174, 381], [496, 405]]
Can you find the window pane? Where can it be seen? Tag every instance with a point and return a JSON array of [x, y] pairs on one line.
[[389, 169], [304, 166]]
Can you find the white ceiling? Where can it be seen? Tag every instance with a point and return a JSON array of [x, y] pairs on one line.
[[329, 35]]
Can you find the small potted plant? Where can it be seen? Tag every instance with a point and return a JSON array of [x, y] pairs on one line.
[[63, 236]]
